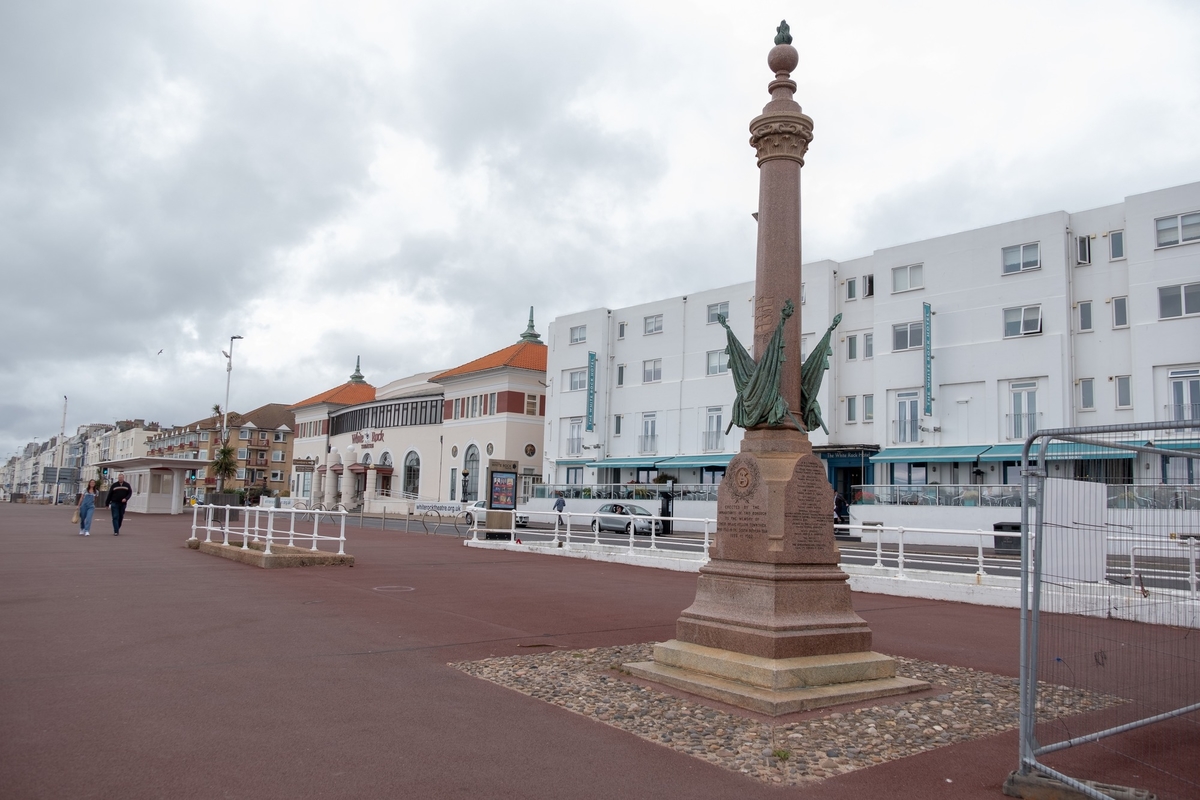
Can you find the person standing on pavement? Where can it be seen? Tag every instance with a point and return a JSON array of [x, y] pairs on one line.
[[118, 495], [559, 505], [87, 508]]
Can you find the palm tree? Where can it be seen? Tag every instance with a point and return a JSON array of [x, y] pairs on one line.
[[224, 466]]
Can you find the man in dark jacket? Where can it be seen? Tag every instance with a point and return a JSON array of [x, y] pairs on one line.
[[118, 495]]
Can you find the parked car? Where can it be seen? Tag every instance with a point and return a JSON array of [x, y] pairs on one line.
[[625, 518]]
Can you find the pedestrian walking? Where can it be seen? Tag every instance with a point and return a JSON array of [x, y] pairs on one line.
[[559, 505], [87, 508], [841, 509], [118, 496]]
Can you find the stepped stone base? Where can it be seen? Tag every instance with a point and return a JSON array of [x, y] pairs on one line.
[[774, 686], [281, 555]]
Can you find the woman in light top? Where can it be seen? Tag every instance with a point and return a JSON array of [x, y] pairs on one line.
[[87, 508]]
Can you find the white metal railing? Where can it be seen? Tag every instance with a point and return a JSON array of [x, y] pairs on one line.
[[928, 558], [1155, 552], [906, 431], [1166, 496], [1022, 425], [270, 525], [648, 443], [1182, 412], [577, 529], [574, 446]]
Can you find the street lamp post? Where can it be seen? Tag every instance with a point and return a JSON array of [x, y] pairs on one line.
[[466, 474], [225, 418]]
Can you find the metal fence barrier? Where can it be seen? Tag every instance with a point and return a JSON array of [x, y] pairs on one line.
[[1110, 623]]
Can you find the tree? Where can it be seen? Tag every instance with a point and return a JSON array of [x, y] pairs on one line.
[[224, 466]]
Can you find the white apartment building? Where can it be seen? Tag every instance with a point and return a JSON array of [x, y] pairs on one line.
[[1056, 320]]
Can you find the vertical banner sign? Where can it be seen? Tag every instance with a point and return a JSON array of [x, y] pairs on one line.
[[591, 392], [927, 316]]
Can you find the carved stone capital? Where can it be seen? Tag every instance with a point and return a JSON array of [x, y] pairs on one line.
[[781, 136]]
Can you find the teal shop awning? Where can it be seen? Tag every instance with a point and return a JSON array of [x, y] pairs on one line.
[[1177, 444], [696, 462], [1059, 451], [572, 462], [936, 454], [631, 462]]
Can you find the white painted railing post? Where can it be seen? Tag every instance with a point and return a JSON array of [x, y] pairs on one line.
[[195, 512], [316, 527], [878, 546], [225, 525], [270, 530], [341, 537], [246, 529], [208, 526], [900, 553], [292, 528], [980, 571], [1132, 567], [706, 538], [653, 546], [1192, 565]]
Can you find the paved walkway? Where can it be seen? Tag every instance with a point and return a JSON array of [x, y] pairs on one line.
[[133, 667]]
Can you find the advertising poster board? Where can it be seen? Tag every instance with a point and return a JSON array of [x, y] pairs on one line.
[[503, 491]]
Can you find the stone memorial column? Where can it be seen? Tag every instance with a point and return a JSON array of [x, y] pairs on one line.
[[772, 627]]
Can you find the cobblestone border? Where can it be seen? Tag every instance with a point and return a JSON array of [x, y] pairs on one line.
[[971, 704]]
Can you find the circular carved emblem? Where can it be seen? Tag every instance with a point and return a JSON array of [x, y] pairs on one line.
[[744, 480], [530, 450], [490, 449], [454, 451]]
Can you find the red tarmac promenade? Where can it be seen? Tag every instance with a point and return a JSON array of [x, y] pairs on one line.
[[133, 667]]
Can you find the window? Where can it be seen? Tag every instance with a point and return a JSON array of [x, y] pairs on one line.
[[575, 436], [1116, 245], [907, 278], [1175, 230], [1085, 316], [1124, 391], [852, 409], [1087, 394], [240, 475], [531, 405], [868, 408], [907, 427], [242, 454], [1120, 312], [574, 475], [1083, 250], [907, 336], [851, 289], [277, 455], [280, 436], [276, 475], [578, 380], [652, 324], [471, 467], [1023, 420], [718, 362], [620, 374], [1185, 394], [713, 433], [851, 348], [620, 330], [1177, 301], [652, 370], [868, 285], [868, 345], [1024, 321], [1021, 257], [617, 418], [717, 309], [648, 441], [578, 334], [244, 434], [262, 436]]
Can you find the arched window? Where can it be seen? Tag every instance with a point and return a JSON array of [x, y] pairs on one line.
[[412, 474], [366, 459], [471, 466], [385, 460]]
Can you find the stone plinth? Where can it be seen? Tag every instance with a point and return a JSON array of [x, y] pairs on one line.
[[774, 686], [282, 555]]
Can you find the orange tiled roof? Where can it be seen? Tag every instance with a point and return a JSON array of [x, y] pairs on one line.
[[348, 394], [522, 355]]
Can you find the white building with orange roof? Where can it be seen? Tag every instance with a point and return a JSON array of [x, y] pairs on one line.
[[310, 450]]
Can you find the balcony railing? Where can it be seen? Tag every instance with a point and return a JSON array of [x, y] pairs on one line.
[[714, 441], [940, 495], [906, 431], [1023, 425], [648, 443], [574, 447], [1181, 412], [625, 491]]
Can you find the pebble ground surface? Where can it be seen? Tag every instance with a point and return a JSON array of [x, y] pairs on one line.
[[967, 704]]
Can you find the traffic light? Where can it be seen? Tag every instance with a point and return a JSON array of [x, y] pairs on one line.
[[104, 472]]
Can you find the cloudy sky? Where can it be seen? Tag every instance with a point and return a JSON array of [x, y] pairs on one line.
[[402, 180]]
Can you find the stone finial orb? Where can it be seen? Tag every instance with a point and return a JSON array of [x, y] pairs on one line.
[[783, 58]]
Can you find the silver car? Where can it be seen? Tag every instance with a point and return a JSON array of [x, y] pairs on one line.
[[625, 518]]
